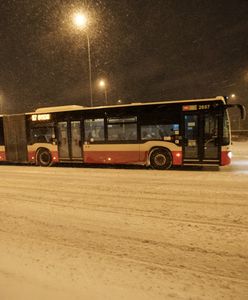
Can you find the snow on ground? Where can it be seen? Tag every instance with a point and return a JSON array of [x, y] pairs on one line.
[[240, 149], [101, 233]]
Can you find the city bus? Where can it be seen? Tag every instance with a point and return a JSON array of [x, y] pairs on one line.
[[159, 135]]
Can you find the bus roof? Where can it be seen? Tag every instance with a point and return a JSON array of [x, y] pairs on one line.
[[59, 108], [64, 108]]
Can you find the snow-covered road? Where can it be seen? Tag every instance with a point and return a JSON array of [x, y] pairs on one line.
[[100, 233]]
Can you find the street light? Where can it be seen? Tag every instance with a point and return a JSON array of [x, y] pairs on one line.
[[81, 21], [103, 85]]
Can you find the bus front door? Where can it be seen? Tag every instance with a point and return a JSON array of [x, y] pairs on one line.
[[200, 141], [211, 144], [191, 138], [69, 141]]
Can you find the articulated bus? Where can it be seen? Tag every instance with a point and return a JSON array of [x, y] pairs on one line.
[[157, 134]]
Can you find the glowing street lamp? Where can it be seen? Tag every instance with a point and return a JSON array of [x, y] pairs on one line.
[[103, 85], [81, 22]]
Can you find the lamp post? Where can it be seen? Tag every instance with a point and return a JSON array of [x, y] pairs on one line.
[[103, 85], [81, 21]]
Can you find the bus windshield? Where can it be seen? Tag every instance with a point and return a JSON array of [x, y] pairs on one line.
[[226, 129]]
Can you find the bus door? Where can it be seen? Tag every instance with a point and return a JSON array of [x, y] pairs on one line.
[[69, 140], [63, 141], [211, 142], [191, 137], [201, 137]]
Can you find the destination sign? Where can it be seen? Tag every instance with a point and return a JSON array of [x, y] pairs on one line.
[[41, 117]]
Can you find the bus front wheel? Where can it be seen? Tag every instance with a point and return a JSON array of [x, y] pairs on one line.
[[161, 159], [44, 158]]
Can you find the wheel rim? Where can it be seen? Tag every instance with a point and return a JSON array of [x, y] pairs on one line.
[[45, 158], [160, 160]]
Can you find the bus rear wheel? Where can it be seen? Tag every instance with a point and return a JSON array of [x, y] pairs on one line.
[[44, 158], [161, 159]]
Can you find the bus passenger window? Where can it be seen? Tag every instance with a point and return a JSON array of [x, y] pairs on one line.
[[41, 135], [159, 132], [122, 129], [94, 130]]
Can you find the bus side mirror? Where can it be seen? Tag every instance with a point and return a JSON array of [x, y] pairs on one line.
[[241, 109]]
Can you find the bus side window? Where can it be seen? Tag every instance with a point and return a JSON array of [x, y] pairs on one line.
[[94, 130], [41, 135], [122, 129], [159, 132]]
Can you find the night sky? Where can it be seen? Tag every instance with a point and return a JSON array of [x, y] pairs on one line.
[[147, 50]]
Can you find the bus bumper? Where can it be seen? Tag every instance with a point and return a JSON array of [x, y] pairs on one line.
[[226, 157], [177, 158]]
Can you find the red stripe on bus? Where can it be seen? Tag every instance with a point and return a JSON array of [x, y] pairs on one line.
[[2, 156], [55, 156], [111, 157], [177, 158], [124, 157], [31, 156]]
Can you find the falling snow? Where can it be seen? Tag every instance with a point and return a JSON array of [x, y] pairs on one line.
[[148, 51]]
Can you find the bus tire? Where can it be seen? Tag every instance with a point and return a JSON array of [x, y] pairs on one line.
[[44, 158], [161, 159]]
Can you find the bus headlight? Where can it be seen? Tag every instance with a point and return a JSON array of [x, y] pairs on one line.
[[229, 154]]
